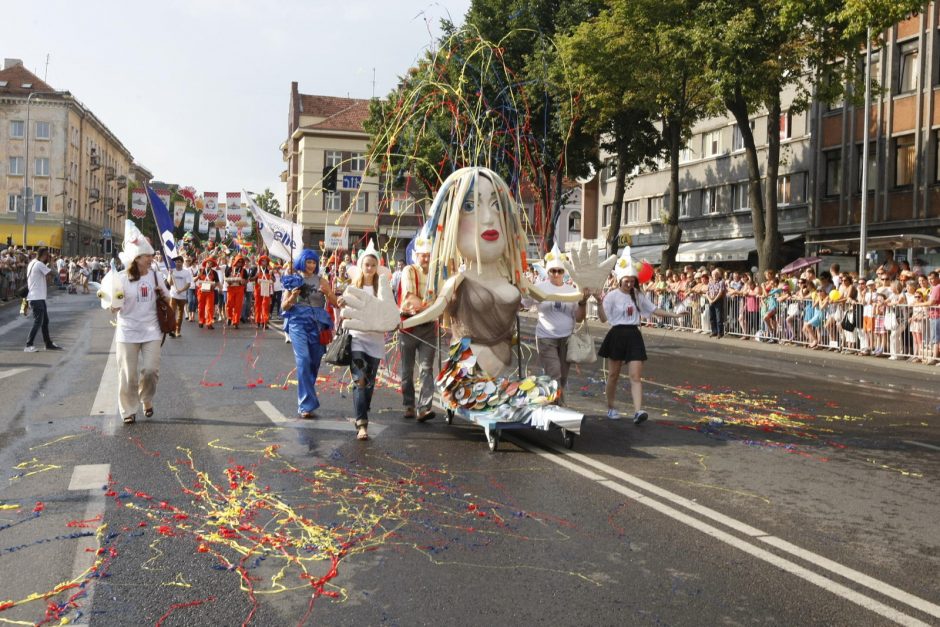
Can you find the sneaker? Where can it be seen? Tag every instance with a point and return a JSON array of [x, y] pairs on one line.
[[54, 347], [30, 349], [640, 417], [613, 414]]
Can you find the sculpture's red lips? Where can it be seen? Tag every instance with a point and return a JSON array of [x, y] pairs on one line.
[[491, 235]]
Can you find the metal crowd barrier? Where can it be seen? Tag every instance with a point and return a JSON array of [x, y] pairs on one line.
[[897, 332]]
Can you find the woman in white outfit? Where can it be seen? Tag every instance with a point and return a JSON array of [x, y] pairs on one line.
[[138, 330]]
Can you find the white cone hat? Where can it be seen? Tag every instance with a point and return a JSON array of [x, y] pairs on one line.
[[624, 266], [135, 244], [554, 259]]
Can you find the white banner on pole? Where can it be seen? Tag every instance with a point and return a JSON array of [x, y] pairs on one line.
[[203, 224], [336, 238], [139, 202], [210, 209], [188, 219], [283, 238], [179, 208]]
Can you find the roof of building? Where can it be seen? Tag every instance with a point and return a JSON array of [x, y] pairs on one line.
[[340, 114], [18, 76]]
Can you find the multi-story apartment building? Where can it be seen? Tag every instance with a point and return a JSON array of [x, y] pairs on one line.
[[904, 151], [78, 170], [326, 132], [714, 212]]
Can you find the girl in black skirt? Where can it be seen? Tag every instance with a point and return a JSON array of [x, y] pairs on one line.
[[623, 308]]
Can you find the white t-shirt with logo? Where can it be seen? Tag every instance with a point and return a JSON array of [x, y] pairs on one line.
[[180, 279], [621, 309], [137, 319], [36, 280], [556, 319]]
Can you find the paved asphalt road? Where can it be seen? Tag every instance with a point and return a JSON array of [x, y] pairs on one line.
[[770, 486]]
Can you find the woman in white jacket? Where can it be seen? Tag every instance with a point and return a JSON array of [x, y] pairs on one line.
[[138, 331]]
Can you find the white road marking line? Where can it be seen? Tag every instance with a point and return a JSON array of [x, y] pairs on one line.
[[105, 403], [930, 446], [9, 326], [90, 477], [278, 418], [11, 372], [827, 584]]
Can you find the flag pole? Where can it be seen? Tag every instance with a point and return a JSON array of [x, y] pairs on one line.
[[147, 190]]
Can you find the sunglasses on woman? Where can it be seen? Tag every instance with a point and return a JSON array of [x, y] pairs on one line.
[[556, 271]]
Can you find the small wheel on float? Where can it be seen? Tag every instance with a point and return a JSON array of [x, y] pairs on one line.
[[449, 416], [492, 438], [567, 438]]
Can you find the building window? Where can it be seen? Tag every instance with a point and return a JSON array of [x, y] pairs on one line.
[[14, 202], [357, 162], [872, 167], [332, 201], [742, 198], [43, 130], [832, 78], [402, 205], [711, 143], [609, 170], [17, 129], [41, 166], [833, 172], [633, 211], [656, 208], [904, 161], [786, 126], [16, 166], [875, 67], [737, 138], [333, 158], [784, 190], [361, 202], [936, 145], [574, 222], [608, 211], [41, 204], [709, 200], [684, 201], [686, 153], [908, 68]]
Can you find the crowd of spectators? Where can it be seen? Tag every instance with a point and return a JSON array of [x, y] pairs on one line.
[[71, 273]]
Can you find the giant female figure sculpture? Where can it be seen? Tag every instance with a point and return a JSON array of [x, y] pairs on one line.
[[477, 280]]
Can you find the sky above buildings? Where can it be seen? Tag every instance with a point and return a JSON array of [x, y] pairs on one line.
[[198, 90]]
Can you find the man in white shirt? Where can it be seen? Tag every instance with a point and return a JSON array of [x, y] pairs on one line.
[[180, 279], [37, 281], [419, 343]]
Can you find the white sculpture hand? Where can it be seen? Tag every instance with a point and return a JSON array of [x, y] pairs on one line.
[[364, 311], [584, 269]]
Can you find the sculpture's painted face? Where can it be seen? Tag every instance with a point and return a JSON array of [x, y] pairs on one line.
[[480, 224]]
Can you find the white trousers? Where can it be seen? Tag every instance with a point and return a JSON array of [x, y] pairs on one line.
[[138, 371]]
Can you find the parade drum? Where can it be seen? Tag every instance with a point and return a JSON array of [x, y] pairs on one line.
[[205, 286], [265, 287]]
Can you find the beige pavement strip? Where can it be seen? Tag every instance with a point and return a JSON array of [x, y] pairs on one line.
[[275, 416], [559, 455], [106, 398], [9, 326], [90, 477], [11, 372]]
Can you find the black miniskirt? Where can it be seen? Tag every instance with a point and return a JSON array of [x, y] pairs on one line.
[[623, 343]]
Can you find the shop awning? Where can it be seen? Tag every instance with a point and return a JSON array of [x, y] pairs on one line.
[[734, 249], [36, 235], [880, 242], [652, 254]]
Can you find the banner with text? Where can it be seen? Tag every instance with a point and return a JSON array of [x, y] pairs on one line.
[[336, 238], [188, 219], [139, 202], [211, 233], [203, 224]]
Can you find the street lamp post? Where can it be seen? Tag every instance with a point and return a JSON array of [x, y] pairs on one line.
[[27, 192]]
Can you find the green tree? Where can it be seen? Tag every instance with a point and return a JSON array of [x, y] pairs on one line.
[[756, 49], [267, 201]]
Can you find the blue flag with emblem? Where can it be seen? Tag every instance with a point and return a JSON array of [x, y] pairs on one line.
[[164, 220]]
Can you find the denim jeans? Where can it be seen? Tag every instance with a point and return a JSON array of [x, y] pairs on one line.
[[363, 370], [40, 321], [716, 312], [307, 354]]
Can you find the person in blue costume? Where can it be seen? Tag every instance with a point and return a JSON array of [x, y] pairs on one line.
[[304, 311], [476, 280]]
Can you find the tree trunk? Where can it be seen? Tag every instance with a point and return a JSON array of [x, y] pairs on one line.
[[673, 130], [769, 242], [737, 105], [616, 213]]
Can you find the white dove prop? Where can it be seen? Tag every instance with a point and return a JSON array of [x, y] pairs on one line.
[[584, 270], [110, 290], [364, 311]]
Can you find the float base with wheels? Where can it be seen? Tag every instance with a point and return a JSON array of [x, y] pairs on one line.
[[545, 418]]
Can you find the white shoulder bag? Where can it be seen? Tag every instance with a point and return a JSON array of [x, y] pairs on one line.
[[581, 346]]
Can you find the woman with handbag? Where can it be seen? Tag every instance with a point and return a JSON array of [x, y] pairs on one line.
[[368, 347], [138, 333], [308, 325], [556, 322]]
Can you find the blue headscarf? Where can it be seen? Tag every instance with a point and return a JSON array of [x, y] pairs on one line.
[[301, 264]]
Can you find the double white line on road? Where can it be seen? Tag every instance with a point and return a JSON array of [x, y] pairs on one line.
[[275, 416], [585, 466]]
